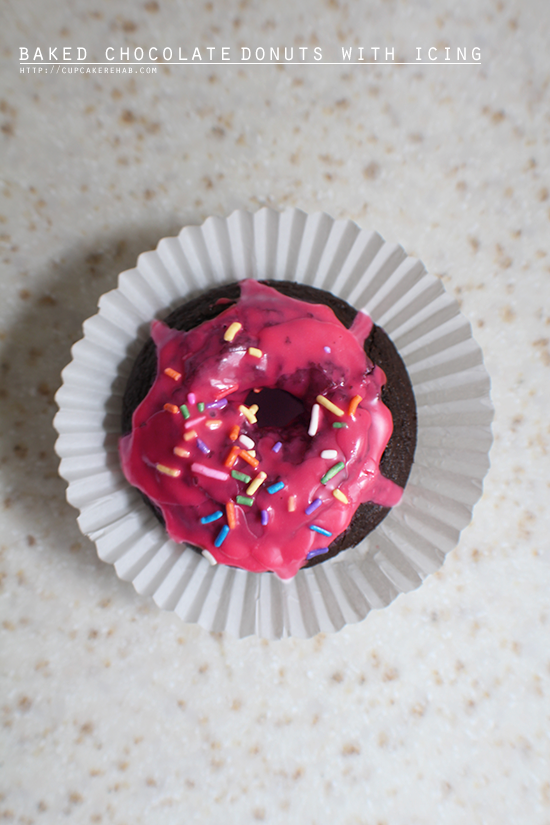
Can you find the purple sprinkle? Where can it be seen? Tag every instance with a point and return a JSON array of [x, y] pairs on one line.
[[327, 349], [202, 446], [217, 405], [276, 447], [313, 506], [265, 517], [318, 552]]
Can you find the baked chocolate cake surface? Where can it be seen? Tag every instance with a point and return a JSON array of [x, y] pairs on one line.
[[397, 393]]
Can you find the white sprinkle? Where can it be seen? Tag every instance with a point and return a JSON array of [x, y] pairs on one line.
[[329, 454], [247, 442], [314, 420], [209, 557]]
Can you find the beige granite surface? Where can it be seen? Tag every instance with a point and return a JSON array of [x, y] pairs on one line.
[[435, 709]]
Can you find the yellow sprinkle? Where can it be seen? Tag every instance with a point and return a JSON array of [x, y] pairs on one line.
[[181, 452], [249, 412], [340, 496], [190, 435], [329, 405], [291, 504], [231, 331], [255, 484], [254, 351], [168, 471], [215, 424], [254, 408]]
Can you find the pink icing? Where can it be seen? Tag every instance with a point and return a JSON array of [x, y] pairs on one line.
[[305, 351]]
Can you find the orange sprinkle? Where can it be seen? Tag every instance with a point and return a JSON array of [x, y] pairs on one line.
[[181, 452], [188, 436], [234, 433], [249, 458], [234, 453], [257, 389], [291, 504], [230, 513], [227, 391], [171, 408], [172, 373], [354, 403], [214, 424]]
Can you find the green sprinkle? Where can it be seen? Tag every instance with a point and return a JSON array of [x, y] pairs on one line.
[[332, 472], [339, 425], [241, 476], [200, 406], [245, 500], [184, 411]]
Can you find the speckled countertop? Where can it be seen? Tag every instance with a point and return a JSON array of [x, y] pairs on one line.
[[435, 709]]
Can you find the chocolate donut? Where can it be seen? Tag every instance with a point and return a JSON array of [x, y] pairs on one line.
[[256, 423]]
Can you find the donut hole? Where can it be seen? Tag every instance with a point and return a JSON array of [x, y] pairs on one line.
[[277, 408]]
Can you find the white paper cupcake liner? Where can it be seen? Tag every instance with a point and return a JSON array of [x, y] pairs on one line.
[[454, 422]]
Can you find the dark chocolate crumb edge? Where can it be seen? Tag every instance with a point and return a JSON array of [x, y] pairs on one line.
[[397, 393]]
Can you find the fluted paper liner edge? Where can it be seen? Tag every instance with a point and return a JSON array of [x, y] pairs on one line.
[[451, 388]]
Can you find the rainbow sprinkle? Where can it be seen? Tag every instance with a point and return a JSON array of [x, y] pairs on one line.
[[276, 447], [249, 412], [332, 472], [321, 530], [329, 454], [184, 411], [318, 552], [245, 500], [265, 517], [279, 485], [168, 471], [313, 506], [339, 425], [191, 398], [222, 535], [291, 504], [354, 403], [329, 405], [241, 476], [217, 405], [174, 374], [212, 517], [256, 483], [200, 406], [231, 331], [181, 452], [203, 447], [255, 352], [314, 420], [230, 513], [171, 408], [340, 496], [203, 470]]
